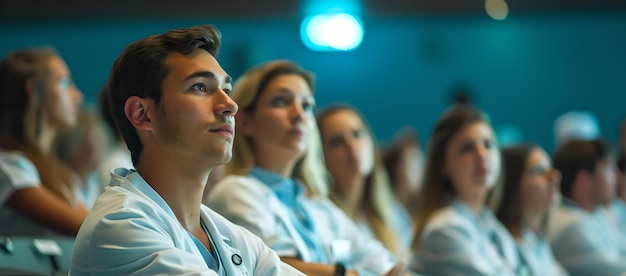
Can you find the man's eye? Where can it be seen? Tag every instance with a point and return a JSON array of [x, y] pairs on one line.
[[199, 87]]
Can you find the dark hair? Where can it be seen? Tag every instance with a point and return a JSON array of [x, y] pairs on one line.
[[437, 190], [140, 70], [621, 162], [576, 155], [104, 102], [514, 164]]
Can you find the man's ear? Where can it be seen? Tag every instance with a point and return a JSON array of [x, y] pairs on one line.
[[137, 111], [243, 124]]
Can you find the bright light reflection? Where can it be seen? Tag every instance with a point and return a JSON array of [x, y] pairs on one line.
[[497, 9], [328, 32]]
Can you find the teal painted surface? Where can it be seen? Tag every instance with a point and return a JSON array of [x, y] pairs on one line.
[[523, 71]]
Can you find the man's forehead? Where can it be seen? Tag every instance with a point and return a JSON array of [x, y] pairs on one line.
[[199, 60]]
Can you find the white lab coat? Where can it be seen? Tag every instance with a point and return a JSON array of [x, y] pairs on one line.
[[16, 173], [537, 255], [583, 242], [247, 201], [131, 230], [457, 242]]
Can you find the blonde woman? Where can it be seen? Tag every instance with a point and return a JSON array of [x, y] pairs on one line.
[[360, 185], [37, 101], [275, 185]]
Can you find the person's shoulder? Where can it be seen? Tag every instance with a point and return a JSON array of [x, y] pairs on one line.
[[448, 217], [17, 170], [234, 184]]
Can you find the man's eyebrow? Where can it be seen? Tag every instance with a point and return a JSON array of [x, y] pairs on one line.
[[202, 74], [208, 75]]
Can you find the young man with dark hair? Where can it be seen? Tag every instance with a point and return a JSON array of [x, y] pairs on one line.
[[171, 101], [582, 239]]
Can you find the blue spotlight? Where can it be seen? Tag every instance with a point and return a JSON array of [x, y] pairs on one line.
[[332, 32]]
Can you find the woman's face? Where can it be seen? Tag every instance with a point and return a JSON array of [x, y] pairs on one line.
[[62, 98], [539, 184], [348, 146], [472, 160], [282, 121]]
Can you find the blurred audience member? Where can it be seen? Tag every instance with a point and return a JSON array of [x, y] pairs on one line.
[[531, 189], [580, 235], [276, 185], [404, 161], [360, 184], [576, 124], [38, 99], [82, 149], [456, 234]]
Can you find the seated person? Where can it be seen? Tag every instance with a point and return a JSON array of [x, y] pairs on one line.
[[456, 233], [38, 100], [171, 100], [276, 186], [531, 190], [579, 234]]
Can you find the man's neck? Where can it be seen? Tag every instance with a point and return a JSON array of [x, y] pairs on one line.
[[180, 186]]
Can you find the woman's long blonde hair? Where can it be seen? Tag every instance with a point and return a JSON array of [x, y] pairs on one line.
[[310, 169], [23, 78], [378, 196]]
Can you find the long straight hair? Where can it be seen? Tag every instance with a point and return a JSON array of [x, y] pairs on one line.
[[378, 196], [21, 116], [310, 169], [437, 190]]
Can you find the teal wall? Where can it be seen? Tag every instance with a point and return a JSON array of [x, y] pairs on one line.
[[523, 71]]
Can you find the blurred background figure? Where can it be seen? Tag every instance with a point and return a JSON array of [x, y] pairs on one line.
[[582, 238], [530, 190], [456, 234], [276, 184], [82, 149], [38, 100], [118, 155], [575, 124], [404, 160], [360, 184]]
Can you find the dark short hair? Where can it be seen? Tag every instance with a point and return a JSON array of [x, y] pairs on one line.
[[140, 71], [576, 155]]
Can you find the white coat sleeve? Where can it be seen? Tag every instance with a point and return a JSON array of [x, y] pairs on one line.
[[575, 250]]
